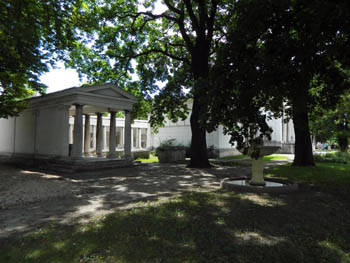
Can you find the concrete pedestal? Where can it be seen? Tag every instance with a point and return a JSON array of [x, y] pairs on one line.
[[258, 172]]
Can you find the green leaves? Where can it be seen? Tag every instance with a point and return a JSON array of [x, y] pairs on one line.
[[33, 34]]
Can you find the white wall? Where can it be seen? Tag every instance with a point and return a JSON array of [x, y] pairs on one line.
[[7, 127], [182, 134], [53, 132], [276, 125], [25, 132]]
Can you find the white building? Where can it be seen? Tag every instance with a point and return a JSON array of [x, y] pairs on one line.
[[283, 135], [46, 130], [75, 123]]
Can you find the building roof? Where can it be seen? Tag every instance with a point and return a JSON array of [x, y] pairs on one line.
[[96, 98]]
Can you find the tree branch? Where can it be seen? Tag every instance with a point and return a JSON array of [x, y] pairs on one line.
[[211, 19], [164, 52], [193, 17], [172, 8], [180, 22]]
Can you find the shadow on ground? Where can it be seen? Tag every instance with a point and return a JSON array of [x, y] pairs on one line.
[[202, 227]]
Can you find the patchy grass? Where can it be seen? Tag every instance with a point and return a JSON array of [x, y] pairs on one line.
[[242, 156], [327, 176], [306, 226], [200, 227], [234, 157], [274, 158], [333, 157], [152, 159]]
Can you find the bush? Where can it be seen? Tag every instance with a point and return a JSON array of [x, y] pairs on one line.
[[335, 157]]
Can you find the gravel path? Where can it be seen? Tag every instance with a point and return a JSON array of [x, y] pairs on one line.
[[29, 199]]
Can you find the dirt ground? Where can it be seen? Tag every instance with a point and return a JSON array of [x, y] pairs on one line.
[[29, 199]]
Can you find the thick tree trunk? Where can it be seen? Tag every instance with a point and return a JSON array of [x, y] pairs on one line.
[[199, 155], [303, 145], [343, 143]]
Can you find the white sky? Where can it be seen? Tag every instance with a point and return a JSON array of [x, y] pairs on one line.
[[60, 78]]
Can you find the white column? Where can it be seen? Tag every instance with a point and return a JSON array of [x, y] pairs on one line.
[[112, 136], [127, 135], [78, 132], [139, 137], [99, 135], [70, 133], [104, 137], [87, 136]]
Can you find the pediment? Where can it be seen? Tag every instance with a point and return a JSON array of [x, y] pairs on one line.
[[109, 92]]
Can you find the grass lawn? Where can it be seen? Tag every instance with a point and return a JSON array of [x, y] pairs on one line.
[[329, 177], [306, 226], [152, 159], [242, 156]]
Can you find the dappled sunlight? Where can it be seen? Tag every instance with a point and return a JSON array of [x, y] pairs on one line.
[[255, 237], [334, 251], [195, 227], [262, 199]]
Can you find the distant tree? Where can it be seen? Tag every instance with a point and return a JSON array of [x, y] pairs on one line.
[[33, 34], [327, 124], [277, 53]]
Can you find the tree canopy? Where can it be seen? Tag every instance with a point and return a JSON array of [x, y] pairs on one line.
[[33, 34], [175, 46], [285, 57]]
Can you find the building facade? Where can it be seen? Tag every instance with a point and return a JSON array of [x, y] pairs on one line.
[[81, 122], [282, 135]]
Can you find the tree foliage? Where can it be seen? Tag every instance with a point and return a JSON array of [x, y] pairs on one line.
[[332, 124], [33, 34], [174, 46], [281, 55]]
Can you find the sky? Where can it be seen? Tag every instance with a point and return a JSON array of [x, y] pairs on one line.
[[60, 78]]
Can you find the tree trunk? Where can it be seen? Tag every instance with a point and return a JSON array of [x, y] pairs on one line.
[[200, 70], [343, 143], [199, 155], [303, 155]]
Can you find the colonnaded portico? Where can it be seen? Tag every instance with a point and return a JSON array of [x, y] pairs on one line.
[[80, 132], [58, 125]]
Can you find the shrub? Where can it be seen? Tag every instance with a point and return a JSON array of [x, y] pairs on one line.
[[335, 157]]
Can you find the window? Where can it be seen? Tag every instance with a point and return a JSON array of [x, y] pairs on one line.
[[107, 139], [92, 137], [119, 137], [135, 138], [143, 138]]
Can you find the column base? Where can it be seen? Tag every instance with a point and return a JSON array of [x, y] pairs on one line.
[[87, 154], [76, 157], [112, 155], [127, 157], [99, 154]]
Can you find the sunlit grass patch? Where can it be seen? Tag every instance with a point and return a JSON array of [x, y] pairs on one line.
[[274, 158], [328, 176], [152, 159]]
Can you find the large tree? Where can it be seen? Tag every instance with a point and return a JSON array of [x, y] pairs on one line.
[[33, 34], [278, 52], [175, 46]]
